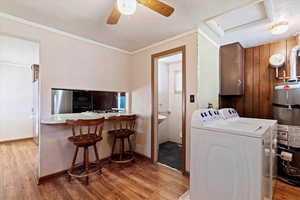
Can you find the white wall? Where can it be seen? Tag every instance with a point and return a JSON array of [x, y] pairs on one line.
[[169, 101], [175, 105], [208, 73], [141, 88], [163, 101], [69, 63], [66, 62], [16, 88], [163, 87]]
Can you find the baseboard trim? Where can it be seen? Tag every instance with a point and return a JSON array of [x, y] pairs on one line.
[[16, 140], [186, 173], [44, 179]]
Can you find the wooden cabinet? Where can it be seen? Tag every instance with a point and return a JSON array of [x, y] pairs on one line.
[[232, 69]]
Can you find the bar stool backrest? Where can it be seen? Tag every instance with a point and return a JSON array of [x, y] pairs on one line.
[[124, 122], [82, 127]]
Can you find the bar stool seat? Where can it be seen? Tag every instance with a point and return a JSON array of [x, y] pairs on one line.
[[121, 133], [123, 128], [85, 140], [86, 133]]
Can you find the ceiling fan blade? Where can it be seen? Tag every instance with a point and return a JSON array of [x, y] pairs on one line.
[[158, 6], [114, 16]]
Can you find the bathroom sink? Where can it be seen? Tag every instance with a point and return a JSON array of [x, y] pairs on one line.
[[161, 118]]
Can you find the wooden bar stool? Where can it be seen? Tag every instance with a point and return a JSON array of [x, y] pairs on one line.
[[123, 128], [86, 133]]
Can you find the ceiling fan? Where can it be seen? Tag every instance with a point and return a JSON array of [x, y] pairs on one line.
[[128, 7]]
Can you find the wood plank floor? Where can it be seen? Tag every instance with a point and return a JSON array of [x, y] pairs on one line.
[[140, 181], [286, 192]]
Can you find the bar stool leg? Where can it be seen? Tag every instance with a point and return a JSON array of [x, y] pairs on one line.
[[130, 148], [73, 162], [129, 142], [122, 149], [97, 156], [113, 147], [86, 163]]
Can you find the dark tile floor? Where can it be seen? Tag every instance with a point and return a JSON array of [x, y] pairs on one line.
[[170, 154]]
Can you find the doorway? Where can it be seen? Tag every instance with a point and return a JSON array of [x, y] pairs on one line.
[[19, 95], [168, 108]]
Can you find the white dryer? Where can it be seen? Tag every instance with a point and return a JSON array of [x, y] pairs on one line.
[[229, 160]]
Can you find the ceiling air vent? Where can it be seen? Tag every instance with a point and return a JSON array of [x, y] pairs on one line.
[[242, 17]]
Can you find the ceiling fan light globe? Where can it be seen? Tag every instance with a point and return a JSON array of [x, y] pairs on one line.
[[127, 7]]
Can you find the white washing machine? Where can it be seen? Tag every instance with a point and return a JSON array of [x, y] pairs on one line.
[[232, 115], [230, 160]]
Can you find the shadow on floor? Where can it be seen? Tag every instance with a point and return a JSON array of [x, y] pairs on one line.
[[170, 154]]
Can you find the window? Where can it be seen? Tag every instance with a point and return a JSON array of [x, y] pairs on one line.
[[122, 101], [77, 101]]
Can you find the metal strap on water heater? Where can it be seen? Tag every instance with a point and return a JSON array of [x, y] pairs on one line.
[[287, 106], [287, 87]]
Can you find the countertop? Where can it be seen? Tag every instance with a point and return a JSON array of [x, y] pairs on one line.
[[61, 118]]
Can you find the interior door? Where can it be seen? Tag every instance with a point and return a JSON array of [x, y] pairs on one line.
[[16, 102]]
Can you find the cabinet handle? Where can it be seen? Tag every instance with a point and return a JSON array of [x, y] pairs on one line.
[[239, 82]]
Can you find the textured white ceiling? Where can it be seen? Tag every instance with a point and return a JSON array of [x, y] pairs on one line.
[[87, 18], [283, 10]]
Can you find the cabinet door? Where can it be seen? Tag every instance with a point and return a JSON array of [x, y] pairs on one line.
[[232, 69]]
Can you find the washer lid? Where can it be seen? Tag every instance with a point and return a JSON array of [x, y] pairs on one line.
[[239, 126], [236, 128], [269, 122]]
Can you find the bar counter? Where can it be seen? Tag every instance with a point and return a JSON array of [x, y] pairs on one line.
[[56, 152], [61, 118]]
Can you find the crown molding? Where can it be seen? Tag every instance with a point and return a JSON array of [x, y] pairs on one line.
[[54, 30], [165, 41]]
